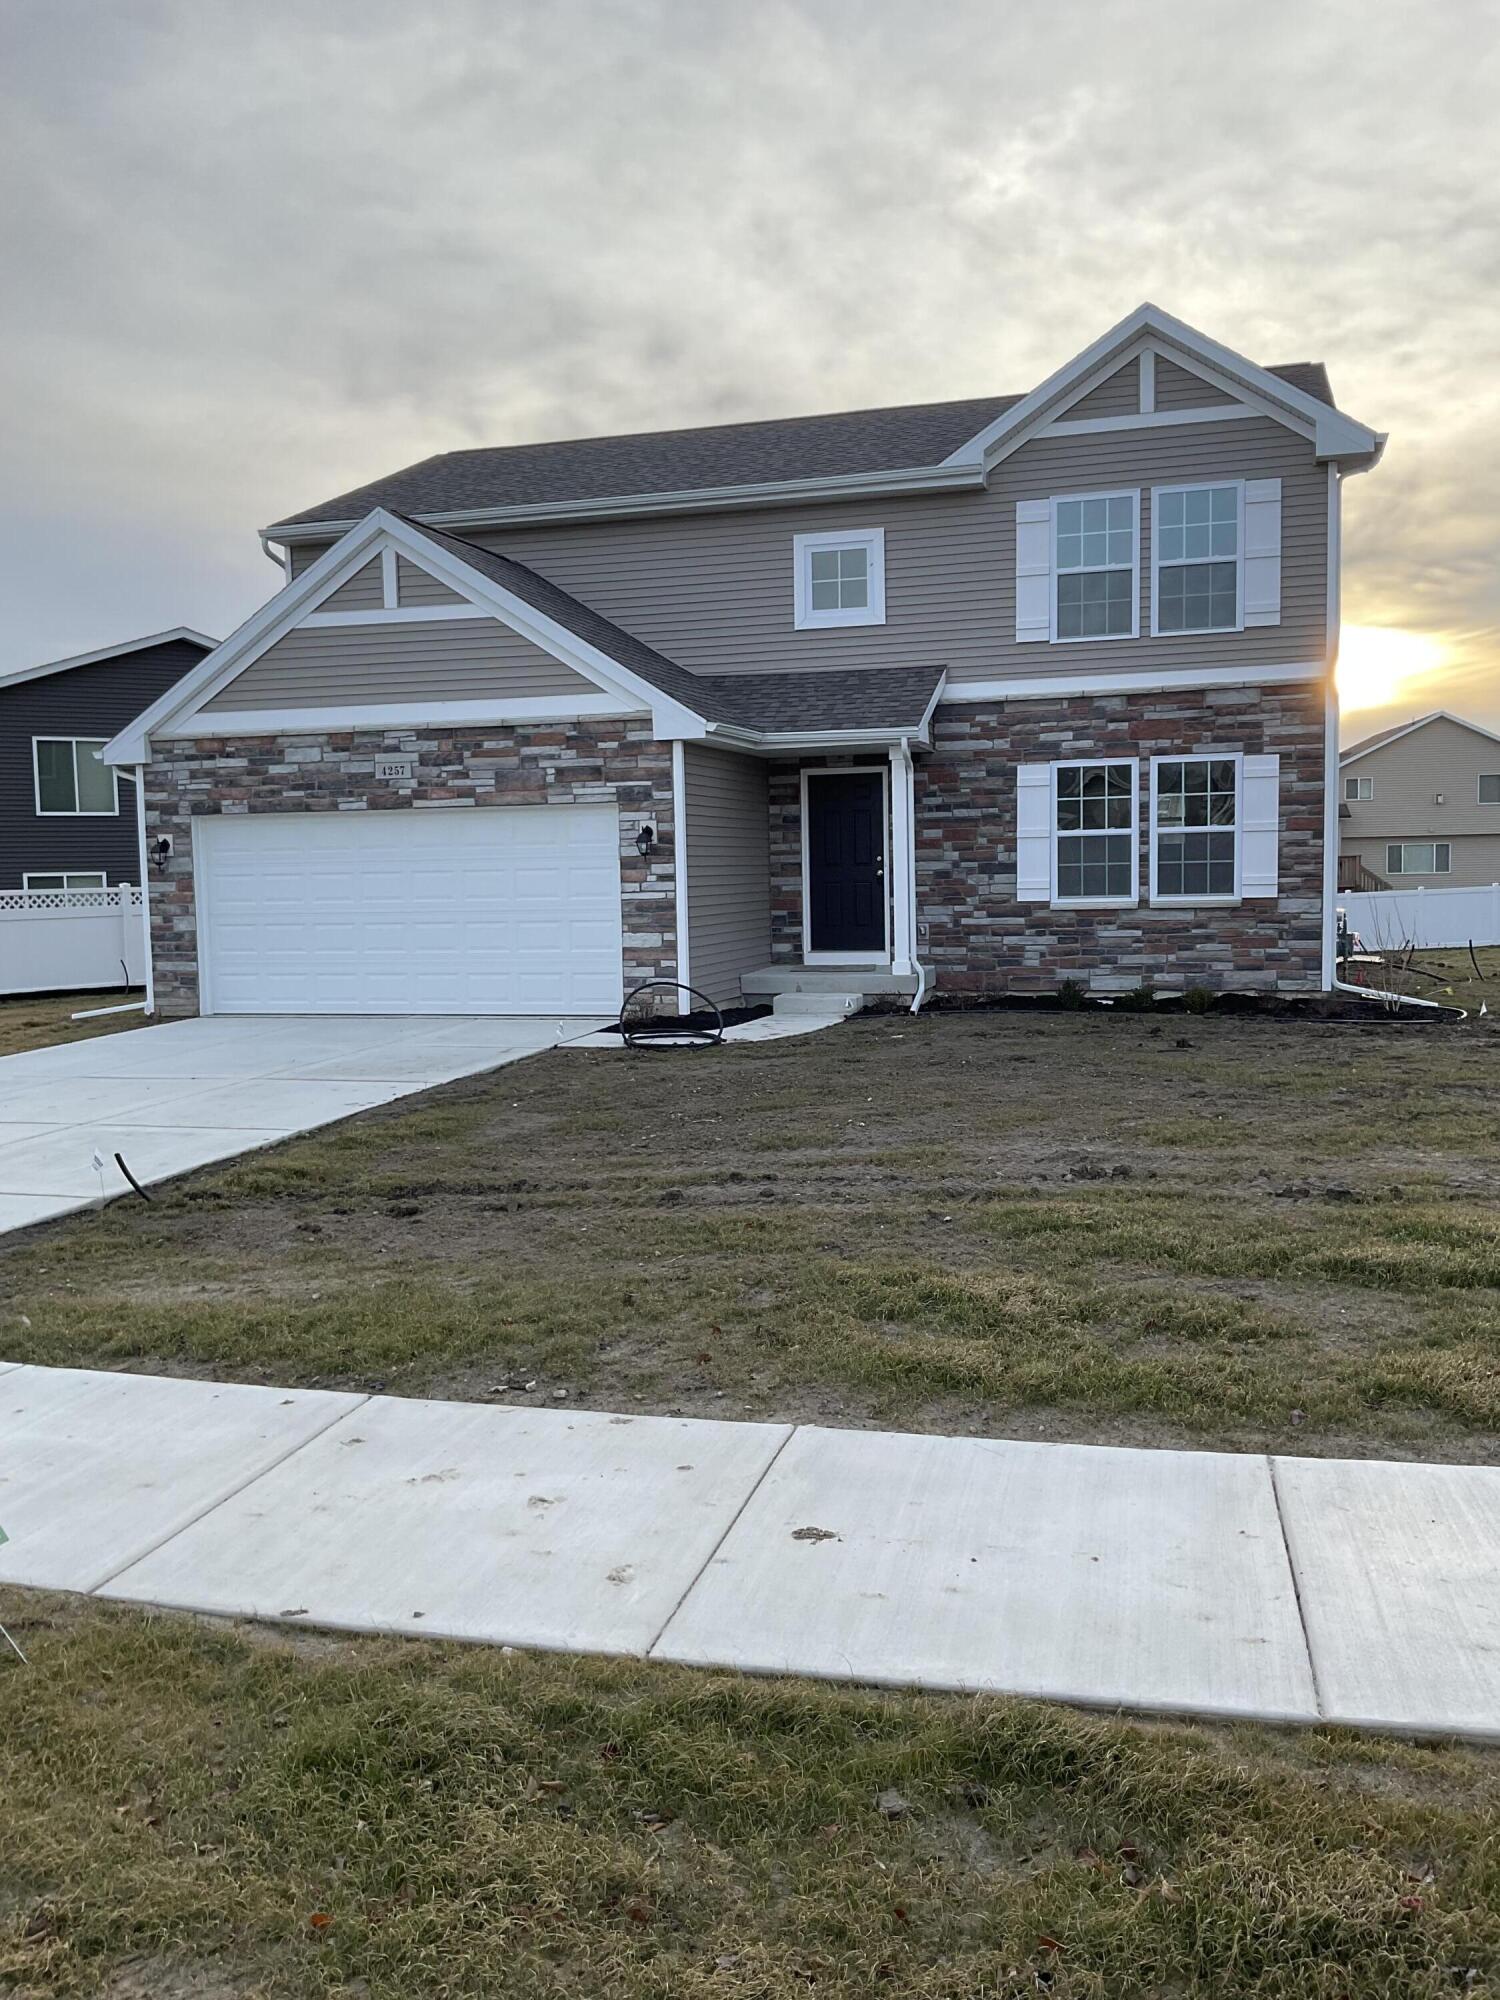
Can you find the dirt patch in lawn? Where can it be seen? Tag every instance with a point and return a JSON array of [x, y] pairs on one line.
[[1260, 1235]]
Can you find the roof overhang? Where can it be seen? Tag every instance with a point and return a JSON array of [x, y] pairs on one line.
[[911, 479], [1333, 435], [915, 734], [108, 653], [1358, 750], [351, 552]]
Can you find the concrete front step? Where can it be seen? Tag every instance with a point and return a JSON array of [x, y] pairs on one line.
[[867, 980], [817, 1003]]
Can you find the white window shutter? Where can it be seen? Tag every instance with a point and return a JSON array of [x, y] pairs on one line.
[[1033, 570], [1033, 833], [1260, 825], [1262, 551]]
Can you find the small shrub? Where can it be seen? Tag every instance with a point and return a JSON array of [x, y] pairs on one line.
[[1071, 994], [1199, 999], [1139, 1000]]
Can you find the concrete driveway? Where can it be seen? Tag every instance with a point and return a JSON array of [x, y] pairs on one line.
[[171, 1098]]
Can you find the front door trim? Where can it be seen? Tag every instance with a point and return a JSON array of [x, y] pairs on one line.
[[809, 956]]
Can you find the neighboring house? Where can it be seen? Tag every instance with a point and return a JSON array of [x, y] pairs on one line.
[[1419, 806], [67, 819], [981, 696]]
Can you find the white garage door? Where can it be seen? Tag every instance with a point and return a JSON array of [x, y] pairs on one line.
[[489, 910]]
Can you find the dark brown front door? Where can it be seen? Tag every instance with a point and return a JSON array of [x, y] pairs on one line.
[[846, 862]]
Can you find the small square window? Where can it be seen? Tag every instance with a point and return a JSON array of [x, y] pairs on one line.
[[1359, 788], [1489, 788], [839, 579]]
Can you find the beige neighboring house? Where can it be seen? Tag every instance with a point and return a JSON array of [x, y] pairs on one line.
[[1419, 807]]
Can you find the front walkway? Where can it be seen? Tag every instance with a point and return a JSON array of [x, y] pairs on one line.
[[181, 1095], [1202, 1583]]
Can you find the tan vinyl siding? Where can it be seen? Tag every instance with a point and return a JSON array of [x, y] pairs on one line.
[[363, 592], [304, 555], [714, 591], [415, 586], [1475, 859], [1180, 389], [459, 660], [1119, 396], [1408, 775], [728, 869]]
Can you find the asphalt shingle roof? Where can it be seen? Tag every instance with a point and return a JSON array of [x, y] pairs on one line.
[[894, 698], [843, 444]]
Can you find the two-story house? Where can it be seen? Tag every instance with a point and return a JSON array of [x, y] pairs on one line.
[[1420, 806], [68, 821], [975, 696]]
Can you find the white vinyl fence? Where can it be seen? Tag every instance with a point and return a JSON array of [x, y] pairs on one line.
[[71, 940], [1391, 918]]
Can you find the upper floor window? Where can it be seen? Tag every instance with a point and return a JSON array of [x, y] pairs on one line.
[[839, 578], [1195, 829], [1196, 544], [1094, 566], [1489, 788], [1418, 857], [70, 778], [1364, 788], [1093, 832]]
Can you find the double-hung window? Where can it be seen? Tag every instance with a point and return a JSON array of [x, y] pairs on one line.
[[70, 779], [1418, 857], [1195, 829], [1359, 788], [1094, 816], [1197, 539], [839, 578], [1095, 568]]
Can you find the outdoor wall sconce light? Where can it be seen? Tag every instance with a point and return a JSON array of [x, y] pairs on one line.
[[161, 852], [645, 840]]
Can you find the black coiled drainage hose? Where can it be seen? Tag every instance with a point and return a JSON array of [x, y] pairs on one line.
[[666, 1031]]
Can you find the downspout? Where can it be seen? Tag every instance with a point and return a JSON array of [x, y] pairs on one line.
[[140, 831], [1331, 736], [679, 869], [283, 561], [908, 779]]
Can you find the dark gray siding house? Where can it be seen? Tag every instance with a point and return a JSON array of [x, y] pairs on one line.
[[67, 820]]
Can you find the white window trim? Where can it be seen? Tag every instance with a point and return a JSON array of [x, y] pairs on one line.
[[1133, 495], [68, 886], [1199, 486], [872, 541], [43, 812], [1479, 798], [1433, 844], [1236, 758], [1354, 797], [809, 956], [1131, 901]]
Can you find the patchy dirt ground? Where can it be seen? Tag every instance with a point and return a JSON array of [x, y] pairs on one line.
[[1119, 1228], [37, 1022]]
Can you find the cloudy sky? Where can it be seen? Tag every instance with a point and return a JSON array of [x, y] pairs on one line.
[[256, 254]]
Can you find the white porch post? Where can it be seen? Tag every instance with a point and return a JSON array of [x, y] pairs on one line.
[[903, 860]]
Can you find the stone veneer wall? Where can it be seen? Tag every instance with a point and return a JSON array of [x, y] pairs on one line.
[[977, 938], [456, 769]]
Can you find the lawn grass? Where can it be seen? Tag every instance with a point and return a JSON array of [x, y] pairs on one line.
[[38, 1022], [1249, 1234], [194, 1809]]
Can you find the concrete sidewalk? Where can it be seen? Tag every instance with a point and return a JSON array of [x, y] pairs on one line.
[[1200, 1583]]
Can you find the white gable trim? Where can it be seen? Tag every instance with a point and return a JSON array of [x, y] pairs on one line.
[[1334, 435], [335, 566], [1438, 715]]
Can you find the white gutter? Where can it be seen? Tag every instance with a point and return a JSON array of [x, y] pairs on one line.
[[283, 561], [704, 499]]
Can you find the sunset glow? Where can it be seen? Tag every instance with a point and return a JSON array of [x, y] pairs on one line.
[[1381, 664]]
